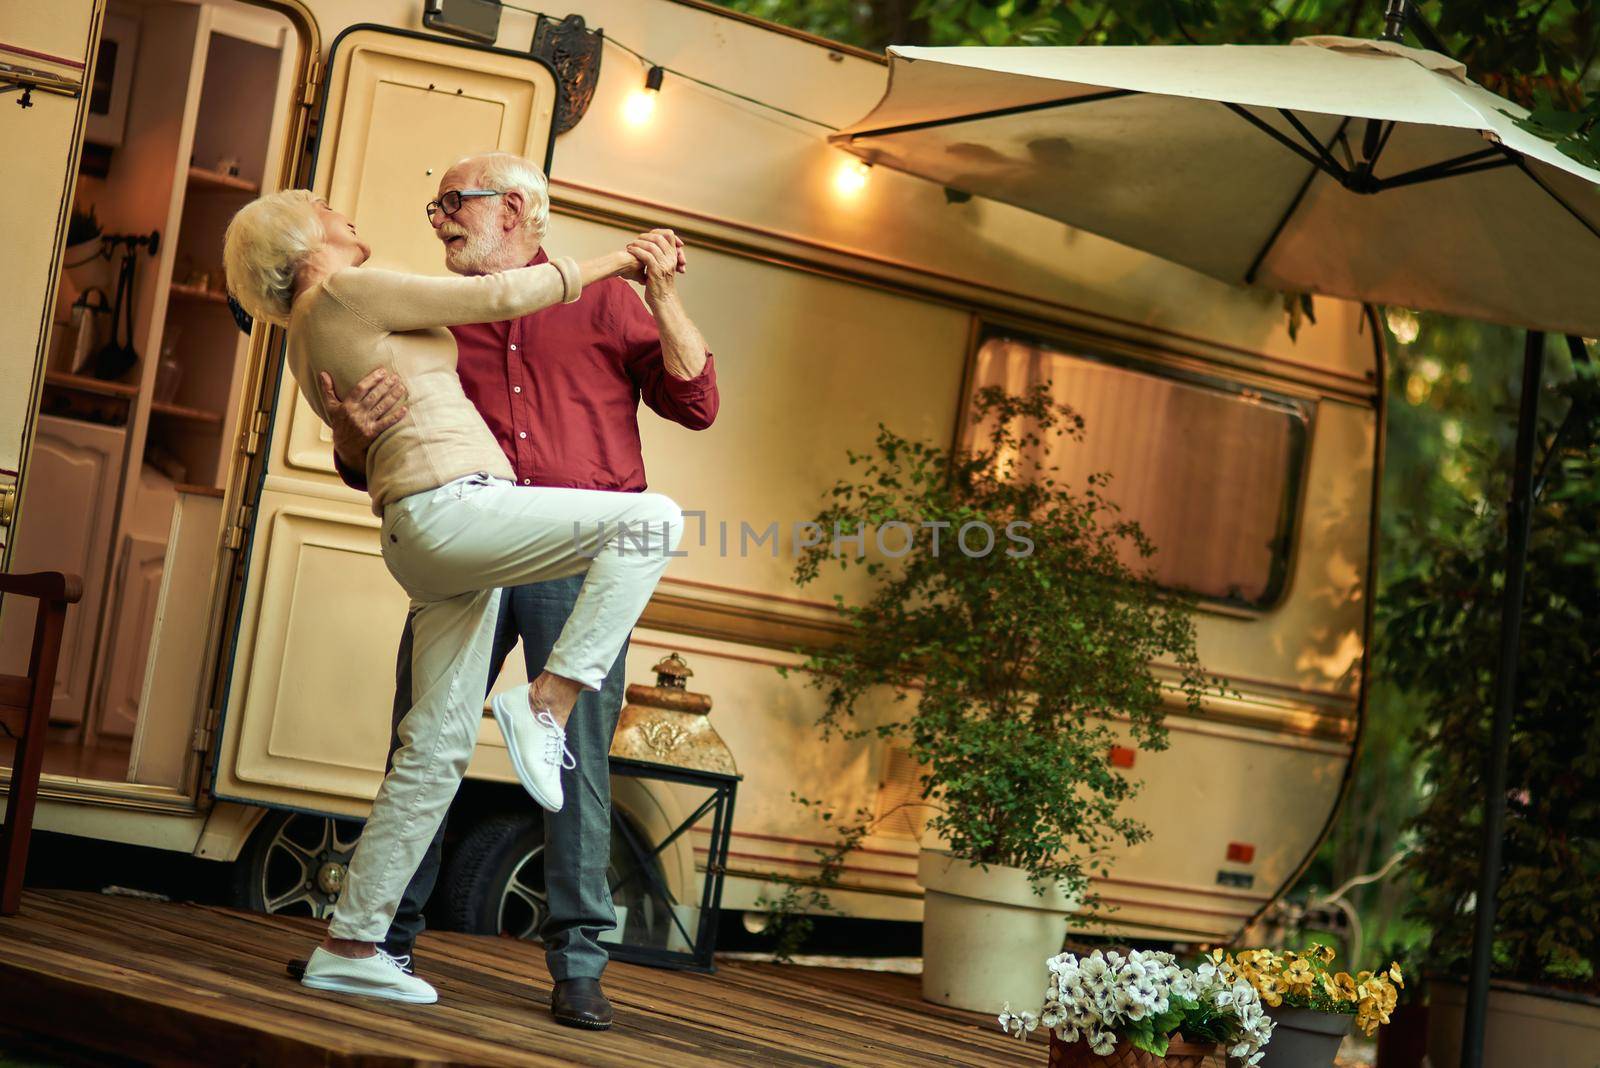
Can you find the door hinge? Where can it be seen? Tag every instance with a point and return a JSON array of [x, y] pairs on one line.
[[200, 742], [8, 499], [308, 91], [259, 422], [234, 538], [256, 431]]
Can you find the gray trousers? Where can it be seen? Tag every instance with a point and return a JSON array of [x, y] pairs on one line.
[[577, 852]]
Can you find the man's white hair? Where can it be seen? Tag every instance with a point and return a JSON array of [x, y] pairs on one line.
[[504, 172]]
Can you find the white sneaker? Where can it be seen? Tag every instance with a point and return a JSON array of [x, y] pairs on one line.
[[537, 744], [377, 976]]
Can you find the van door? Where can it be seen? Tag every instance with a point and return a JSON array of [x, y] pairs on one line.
[[45, 61], [307, 705]]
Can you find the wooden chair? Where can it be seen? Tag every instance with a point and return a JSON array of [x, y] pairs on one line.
[[25, 712]]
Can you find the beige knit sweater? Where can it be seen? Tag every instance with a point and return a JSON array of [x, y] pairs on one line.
[[363, 318]]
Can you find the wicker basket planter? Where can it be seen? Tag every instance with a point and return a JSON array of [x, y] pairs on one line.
[[1180, 1054]]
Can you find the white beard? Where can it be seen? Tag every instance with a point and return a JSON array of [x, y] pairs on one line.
[[479, 254]]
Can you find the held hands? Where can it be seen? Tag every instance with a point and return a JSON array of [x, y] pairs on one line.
[[657, 258], [372, 406]]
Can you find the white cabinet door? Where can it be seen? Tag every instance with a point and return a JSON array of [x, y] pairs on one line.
[[175, 685], [72, 495], [306, 717], [139, 569]]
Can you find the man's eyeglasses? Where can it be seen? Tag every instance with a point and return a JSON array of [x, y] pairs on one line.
[[450, 202]]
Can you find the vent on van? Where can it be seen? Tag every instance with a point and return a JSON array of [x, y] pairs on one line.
[[901, 811]]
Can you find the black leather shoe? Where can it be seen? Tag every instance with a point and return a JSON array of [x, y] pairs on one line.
[[580, 1003]]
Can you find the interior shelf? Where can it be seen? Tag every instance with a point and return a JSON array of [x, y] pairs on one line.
[[200, 178], [204, 491], [178, 411], [184, 292], [90, 385]]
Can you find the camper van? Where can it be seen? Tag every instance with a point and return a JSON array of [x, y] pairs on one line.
[[225, 682]]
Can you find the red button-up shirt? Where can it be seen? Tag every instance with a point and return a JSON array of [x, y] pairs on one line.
[[560, 388]]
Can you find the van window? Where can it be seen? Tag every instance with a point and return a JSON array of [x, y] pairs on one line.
[[1210, 469]]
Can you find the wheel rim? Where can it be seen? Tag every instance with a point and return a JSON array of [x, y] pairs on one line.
[[304, 865], [524, 903]]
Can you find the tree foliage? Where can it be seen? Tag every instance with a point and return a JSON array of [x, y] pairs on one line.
[[1440, 645]]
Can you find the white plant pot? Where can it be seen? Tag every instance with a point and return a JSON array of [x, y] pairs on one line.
[[986, 934], [1527, 1025]]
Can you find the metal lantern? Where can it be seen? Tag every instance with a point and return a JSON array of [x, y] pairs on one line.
[[667, 724], [665, 733]]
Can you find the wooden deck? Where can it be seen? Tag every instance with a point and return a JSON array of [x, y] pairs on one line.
[[97, 979]]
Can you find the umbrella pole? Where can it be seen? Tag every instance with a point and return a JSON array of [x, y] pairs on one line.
[[1519, 512]]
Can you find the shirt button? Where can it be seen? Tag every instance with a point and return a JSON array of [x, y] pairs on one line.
[[516, 389], [513, 348], [522, 433], [527, 482]]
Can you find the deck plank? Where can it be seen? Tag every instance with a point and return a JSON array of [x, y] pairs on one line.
[[154, 982]]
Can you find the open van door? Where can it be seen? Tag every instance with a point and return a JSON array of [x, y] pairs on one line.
[[45, 61], [306, 711]]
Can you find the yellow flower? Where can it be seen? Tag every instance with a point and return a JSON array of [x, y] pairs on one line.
[[1378, 999], [1298, 979], [1340, 987], [1295, 977]]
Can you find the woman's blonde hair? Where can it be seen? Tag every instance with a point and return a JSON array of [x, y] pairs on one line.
[[265, 245]]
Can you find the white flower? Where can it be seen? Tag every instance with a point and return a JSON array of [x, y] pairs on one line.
[[1019, 1024]]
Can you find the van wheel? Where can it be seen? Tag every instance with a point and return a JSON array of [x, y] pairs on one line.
[[295, 864], [494, 881]]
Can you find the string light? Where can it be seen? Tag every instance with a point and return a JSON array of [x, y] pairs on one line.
[[641, 103], [851, 177], [639, 108], [641, 57]]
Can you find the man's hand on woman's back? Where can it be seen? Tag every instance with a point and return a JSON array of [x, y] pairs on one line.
[[372, 406]]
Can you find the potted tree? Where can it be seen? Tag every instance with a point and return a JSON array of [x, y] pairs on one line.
[[1544, 1006], [1026, 636], [1143, 1010]]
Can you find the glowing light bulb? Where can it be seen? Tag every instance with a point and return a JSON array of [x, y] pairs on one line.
[[851, 177], [640, 107], [641, 104]]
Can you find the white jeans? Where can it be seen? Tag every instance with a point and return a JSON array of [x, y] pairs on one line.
[[452, 549]]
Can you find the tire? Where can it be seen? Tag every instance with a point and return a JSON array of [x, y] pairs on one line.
[[493, 882], [294, 864]]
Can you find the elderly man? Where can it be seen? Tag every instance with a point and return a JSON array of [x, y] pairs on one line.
[[560, 389]]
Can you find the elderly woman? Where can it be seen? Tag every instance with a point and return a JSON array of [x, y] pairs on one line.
[[455, 530]]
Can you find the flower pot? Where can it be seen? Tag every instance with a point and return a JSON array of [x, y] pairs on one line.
[[986, 935], [1302, 1038], [1527, 1025], [1180, 1054]]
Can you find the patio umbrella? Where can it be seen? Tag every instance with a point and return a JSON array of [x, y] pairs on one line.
[[1354, 168]]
